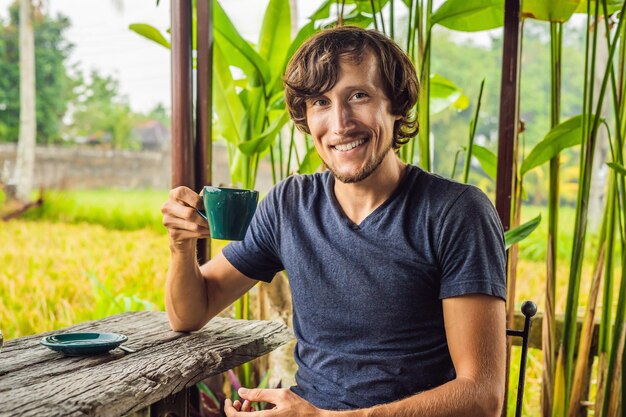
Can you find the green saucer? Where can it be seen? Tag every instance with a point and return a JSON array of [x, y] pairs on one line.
[[74, 344]]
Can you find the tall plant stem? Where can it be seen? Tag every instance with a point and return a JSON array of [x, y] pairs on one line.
[[586, 333], [410, 32], [340, 18], [273, 161], [472, 133], [392, 31], [374, 14], [291, 148], [617, 345], [281, 156], [587, 148], [382, 19], [607, 296], [549, 323], [424, 98]]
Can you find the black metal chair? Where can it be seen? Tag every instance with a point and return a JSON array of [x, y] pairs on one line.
[[529, 309]]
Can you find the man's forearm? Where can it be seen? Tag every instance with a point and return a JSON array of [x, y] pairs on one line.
[[457, 398], [185, 290]]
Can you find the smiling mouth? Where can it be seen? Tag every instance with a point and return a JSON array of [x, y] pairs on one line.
[[349, 146]]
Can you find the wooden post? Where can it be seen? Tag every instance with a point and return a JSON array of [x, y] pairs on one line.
[[175, 405], [509, 110], [182, 96], [507, 137], [204, 75]]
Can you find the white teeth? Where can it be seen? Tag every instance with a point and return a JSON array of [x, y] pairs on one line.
[[349, 146]]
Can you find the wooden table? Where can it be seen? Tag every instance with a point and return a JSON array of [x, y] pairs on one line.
[[35, 381]]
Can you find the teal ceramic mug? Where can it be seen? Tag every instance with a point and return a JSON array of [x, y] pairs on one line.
[[228, 211]]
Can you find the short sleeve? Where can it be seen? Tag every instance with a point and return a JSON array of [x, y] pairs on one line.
[[257, 256], [470, 250]]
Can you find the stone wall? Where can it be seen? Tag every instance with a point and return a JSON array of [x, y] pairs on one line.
[[87, 167]]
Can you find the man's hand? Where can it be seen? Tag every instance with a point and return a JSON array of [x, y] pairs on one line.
[[181, 219], [287, 404]]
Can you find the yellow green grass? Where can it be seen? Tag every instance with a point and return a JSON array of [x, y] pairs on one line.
[[56, 274]]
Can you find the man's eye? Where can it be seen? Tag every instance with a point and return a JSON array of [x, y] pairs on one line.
[[359, 95], [320, 102]]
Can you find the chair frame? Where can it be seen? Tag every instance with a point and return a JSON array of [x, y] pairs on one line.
[[529, 309]]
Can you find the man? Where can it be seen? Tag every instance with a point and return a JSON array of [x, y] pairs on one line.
[[397, 275]]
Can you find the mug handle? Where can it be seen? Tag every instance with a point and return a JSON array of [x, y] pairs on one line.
[[202, 215]]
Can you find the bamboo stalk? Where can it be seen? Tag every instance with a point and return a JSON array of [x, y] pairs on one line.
[[549, 327], [581, 214], [586, 333]]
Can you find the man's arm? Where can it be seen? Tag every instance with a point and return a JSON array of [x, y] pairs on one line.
[[194, 294], [476, 334]]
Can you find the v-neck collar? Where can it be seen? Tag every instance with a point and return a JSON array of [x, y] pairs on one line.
[[330, 192]]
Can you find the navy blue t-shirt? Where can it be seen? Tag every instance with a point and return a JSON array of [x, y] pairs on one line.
[[367, 310]]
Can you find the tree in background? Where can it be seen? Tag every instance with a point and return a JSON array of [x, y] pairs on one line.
[[101, 114], [23, 175], [53, 77]]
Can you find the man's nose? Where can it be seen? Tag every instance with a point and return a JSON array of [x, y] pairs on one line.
[[342, 119]]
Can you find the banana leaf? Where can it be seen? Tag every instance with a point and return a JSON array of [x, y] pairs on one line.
[[310, 163], [240, 53], [266, 139], [444, 93], [617, 168], [487, 159], [564, 135], [275, 35], [521, 232], [150, 32], [322, 12], [228, 106], [549, 10], [611, 5], [470, 15]]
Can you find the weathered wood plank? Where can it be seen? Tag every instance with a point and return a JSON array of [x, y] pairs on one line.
[[35, 381]]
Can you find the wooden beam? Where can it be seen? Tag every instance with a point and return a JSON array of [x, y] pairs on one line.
[[509, 110], [534, 340], [182, 95], [204, 76]]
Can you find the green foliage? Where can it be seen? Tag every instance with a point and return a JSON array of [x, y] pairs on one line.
[[462, 60], [107, 304], [470, 15], [54, 84]]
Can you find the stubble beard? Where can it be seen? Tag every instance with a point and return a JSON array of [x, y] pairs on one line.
[[362, 173]]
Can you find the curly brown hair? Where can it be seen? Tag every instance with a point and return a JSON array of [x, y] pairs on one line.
[[314, 69]]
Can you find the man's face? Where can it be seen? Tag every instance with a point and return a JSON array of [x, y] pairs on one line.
[[351, 124]]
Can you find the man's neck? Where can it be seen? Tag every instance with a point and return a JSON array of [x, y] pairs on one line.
[[360, 199]]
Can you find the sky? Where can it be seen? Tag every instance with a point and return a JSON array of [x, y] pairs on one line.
[[103, 41]]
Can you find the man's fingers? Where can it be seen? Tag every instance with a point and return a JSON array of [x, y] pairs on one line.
[[186, 195], [177, 210], [231, 411], [179, 235], [173, 222], [246, 406], [273, 396]]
